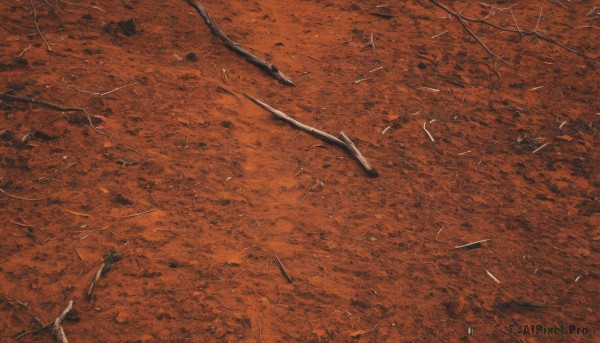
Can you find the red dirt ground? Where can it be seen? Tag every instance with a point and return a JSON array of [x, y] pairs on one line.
[[371, 259]]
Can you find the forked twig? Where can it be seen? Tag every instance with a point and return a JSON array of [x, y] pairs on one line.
[[55, 326], [216, 31], [345, 142]]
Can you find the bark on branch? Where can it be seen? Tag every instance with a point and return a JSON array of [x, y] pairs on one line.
[[216, 31]]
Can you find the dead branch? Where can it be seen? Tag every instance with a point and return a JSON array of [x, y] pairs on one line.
[[315, 132], [110, 258], [533, 32], [55, 326], [345, 142], [10, 97], [461, 19], [358, 156], [57, 329], [216, 31], [283, 270], [37, 27]]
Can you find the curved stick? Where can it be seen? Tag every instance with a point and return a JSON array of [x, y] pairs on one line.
[[216, 31]]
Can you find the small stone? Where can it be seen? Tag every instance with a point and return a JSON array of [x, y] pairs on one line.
[[122, 317], [146, 338], [234, 261], [456, 307]]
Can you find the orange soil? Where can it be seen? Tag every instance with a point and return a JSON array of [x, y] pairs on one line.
[[372, 259]]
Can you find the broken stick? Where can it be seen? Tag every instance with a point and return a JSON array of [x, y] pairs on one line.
[[345, 142], [109, 260], [55, 326], [358, 156], [216, 31], [57, 329], [315, 132]]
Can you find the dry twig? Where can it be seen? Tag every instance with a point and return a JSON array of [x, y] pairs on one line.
[[344, 142], [110, 258], [283, 271], [55, 326], [353, 150], [216, 31], [37, 27], [315, 132], [534, 33], [18, 197], [139, 214]]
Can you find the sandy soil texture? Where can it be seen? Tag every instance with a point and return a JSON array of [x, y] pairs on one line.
[[195, 189]]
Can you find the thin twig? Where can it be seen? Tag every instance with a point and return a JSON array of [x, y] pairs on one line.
[[98, 93], [110, 258], [37, 27], [427, 131], [540, 148], [139, 214], [18, 197], [533, 32], [55, 326], [57, 329], [492, 276], [283, 271], [10, 97], [461, 20]]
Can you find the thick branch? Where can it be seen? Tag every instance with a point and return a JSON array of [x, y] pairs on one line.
[[216, 31]]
